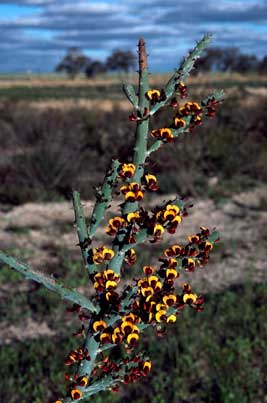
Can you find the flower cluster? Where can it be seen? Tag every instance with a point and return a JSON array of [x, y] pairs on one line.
[[181, 89], [211, 106], [165, 134], [75, 356], [155, 300], [191, 109], [125, 331], [134, 373], [127, 370], [195, 253], [169, 217], [79, 382], [158, 302]]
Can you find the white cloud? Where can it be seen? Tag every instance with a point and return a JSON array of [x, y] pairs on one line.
[[170, 27]]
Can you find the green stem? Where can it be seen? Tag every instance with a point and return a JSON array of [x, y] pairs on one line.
[[141, 133], [103, 197], [140, 151], [82, 230], [98, 386], [49, 282]]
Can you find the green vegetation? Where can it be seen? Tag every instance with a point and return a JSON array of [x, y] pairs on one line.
[[42, 93], [104, 91], [214, 356]]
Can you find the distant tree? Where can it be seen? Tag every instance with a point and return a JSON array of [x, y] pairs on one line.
[[210, 61], [262, 68], [122, 61], [246, 64], [73, 63], [230, 58], [227, 59], [95, 67]]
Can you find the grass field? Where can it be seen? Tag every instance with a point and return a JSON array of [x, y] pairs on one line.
[[40, 88]]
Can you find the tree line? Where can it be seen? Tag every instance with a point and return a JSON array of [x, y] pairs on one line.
[[230, 60], [76, 62], [214, 59]]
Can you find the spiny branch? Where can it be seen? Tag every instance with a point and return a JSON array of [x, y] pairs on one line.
[[49, 282]]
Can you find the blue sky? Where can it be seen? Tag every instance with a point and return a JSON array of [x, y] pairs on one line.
[[36, 33]]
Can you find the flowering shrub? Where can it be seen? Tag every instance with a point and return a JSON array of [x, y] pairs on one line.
[[118, 314]]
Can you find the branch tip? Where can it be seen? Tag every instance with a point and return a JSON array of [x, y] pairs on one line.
[[142, 55]]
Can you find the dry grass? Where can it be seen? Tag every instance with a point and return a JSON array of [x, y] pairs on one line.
[[155, 78], [66, 104]]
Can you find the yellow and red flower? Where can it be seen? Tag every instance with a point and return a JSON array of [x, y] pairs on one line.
[[130, 257], [132, 339], [188, 264], [171, 319], [174, 250], [151, 182], [132, 192], [82, 381], [165, 134], [108, 280], [127, 170], [99, 255], [169, 299], [153, 95], [158, 230], [99, 325], [146, 367], [178, 122], [182, 89], [105, 338], [193, 238], [76, 394], [160, 315], [148, 270], [189, 298], [114, 225], [134, 216]]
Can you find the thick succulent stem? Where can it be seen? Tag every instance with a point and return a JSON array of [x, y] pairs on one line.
[[84, 240], [140, 151], [49, 282], [97, 387], [141, 126], [103, 198]]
